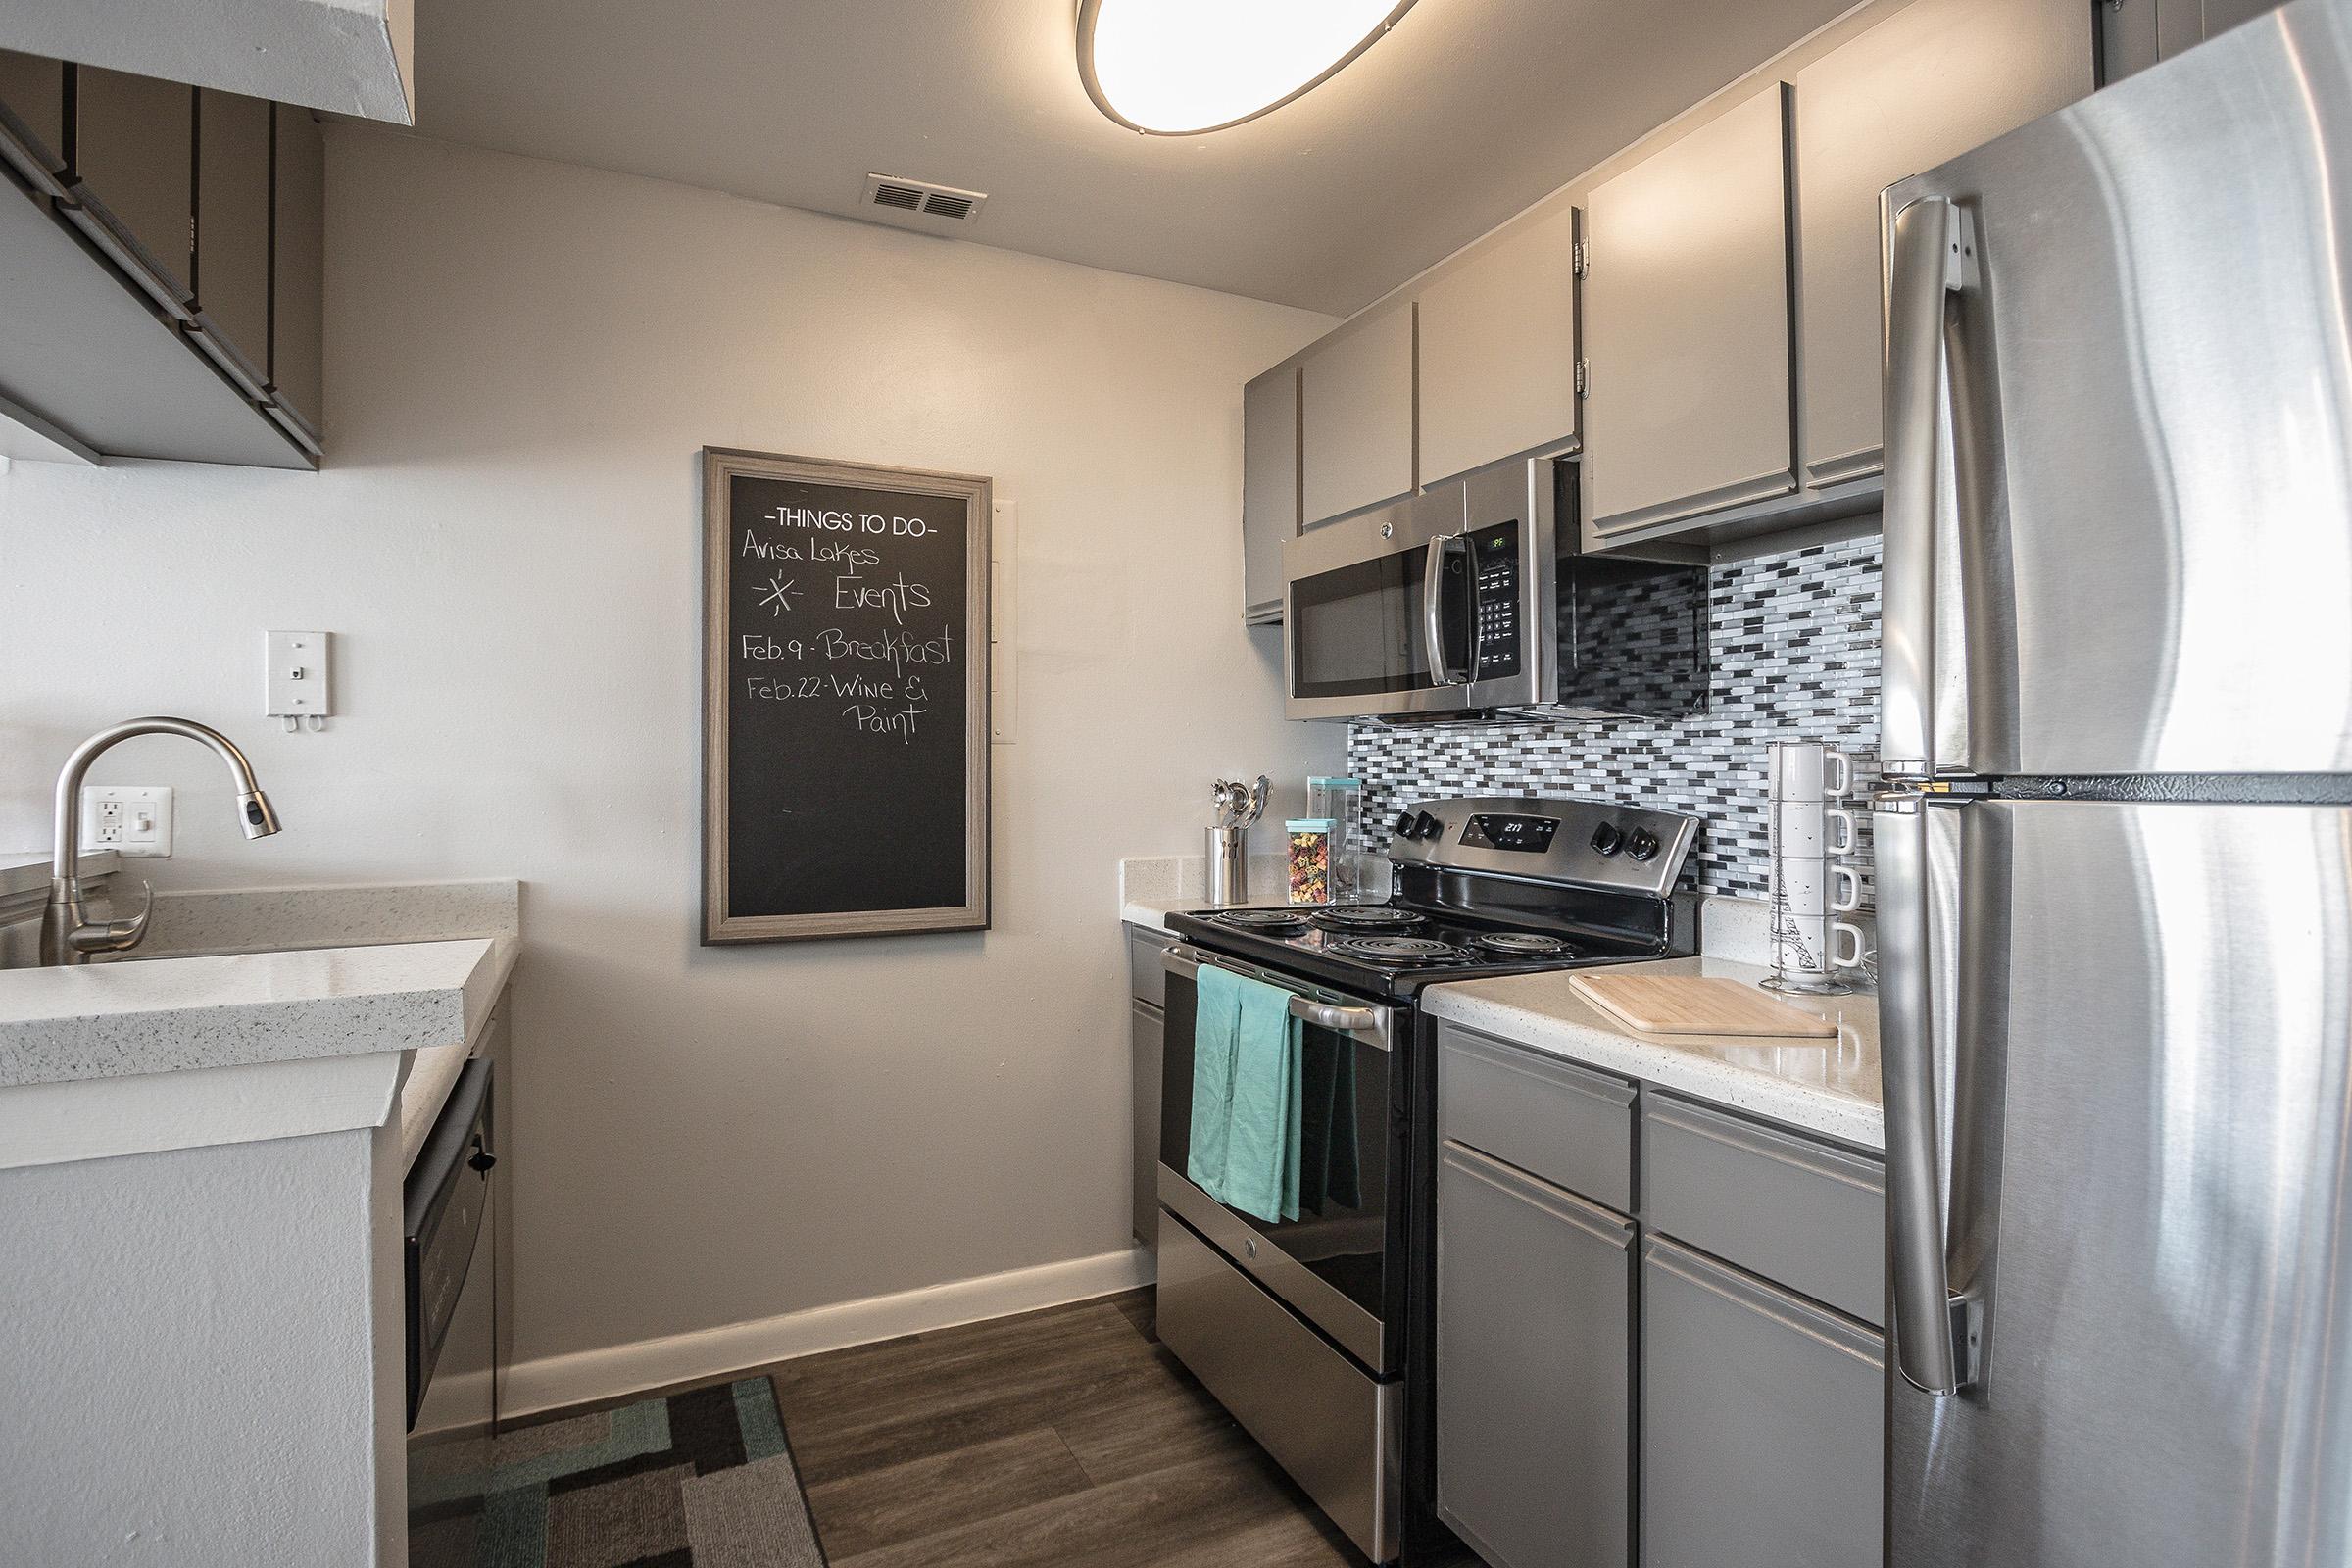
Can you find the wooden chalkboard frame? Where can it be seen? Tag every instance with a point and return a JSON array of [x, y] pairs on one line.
[[721, 466]]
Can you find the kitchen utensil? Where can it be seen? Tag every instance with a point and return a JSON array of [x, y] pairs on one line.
[[1697, 1004]]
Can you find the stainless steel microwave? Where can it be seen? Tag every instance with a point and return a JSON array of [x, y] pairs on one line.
[[1474, 598]]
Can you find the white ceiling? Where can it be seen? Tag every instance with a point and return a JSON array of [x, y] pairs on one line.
[[1465, 114]]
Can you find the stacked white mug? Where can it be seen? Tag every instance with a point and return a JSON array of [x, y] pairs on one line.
[[1811, 948]]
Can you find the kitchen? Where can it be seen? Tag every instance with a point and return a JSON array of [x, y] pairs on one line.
[[652, 1119]]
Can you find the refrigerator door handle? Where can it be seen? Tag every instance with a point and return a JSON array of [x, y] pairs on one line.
[[1929, 1325], [1930, 257]]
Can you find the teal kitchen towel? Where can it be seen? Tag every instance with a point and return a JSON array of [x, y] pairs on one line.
[[1245, 1096]]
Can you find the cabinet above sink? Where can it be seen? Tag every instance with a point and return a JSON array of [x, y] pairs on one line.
[[165, 250]]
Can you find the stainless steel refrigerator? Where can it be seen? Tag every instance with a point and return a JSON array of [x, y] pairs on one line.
[[2115, 905]]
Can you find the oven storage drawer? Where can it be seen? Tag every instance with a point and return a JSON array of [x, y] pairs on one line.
[[444, 1203], [1797, 1212], [1569, 1125], [1322, 1417]]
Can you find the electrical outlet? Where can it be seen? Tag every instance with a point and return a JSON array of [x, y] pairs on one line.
[[134, 820]]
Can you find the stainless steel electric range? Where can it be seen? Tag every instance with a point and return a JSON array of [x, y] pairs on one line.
[[1316, 1332]]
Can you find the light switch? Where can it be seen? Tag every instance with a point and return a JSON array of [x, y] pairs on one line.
[[132, 819], [298, 676]]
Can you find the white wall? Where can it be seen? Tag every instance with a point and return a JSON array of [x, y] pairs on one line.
[[523, 360]]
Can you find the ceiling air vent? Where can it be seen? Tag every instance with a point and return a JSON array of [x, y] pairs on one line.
[[937, 208]]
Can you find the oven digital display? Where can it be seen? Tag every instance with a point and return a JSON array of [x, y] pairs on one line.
[[1531, 834]]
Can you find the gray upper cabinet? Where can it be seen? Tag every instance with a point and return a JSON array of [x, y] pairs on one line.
[[132, 152], [1686, 325], [165, 251], [298, 275], [232, 232], [1762, 1433], [1269, 487], [1498, 349], [1928, 83], [1535, 1304], [1355, 415], [2133, 34], [32, 108]]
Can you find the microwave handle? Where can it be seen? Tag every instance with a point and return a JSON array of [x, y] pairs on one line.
[[1432, 609]]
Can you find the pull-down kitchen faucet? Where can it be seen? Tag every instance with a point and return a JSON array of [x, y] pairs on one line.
[[68, 934]]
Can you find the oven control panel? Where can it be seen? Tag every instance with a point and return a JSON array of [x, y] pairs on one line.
[[1521, 835], [1587, 843], [1494, 593]]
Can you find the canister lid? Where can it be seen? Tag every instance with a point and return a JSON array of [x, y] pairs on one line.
[[1309, 824]]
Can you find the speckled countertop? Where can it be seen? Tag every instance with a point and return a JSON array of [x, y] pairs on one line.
[[106, 1020], [1830, 1087]]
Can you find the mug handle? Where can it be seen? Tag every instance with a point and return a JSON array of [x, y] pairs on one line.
[[1840, 958], [1849, 898], [1833, 761], [1845, 822]]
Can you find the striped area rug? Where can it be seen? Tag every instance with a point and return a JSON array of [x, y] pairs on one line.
[[698, 1480]]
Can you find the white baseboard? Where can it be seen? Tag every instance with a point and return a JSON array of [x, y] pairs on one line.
[[555, 1382]]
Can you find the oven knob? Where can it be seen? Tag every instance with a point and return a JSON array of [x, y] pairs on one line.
[[1608, 838], [1644, 845], [1426, 826], [1404, 825]]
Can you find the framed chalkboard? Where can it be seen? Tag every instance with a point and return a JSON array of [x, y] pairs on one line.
[[845, 704]]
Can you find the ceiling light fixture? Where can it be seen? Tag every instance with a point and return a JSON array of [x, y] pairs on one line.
[[1178, 67]]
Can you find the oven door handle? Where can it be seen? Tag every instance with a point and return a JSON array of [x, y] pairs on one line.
[[1372, 1025], [1432, 609]]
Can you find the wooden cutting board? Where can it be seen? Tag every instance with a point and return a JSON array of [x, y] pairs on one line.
[[1694, 1004]]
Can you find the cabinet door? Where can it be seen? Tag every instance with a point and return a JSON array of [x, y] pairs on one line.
[[1762, 1422], [1145, 1039], [1498, 351], [32, 106], [1355, 415], [1928, 83], [232, 230], [1534, 1293], [134, 164], [298, 265], [1269, 487], [1686, 325]]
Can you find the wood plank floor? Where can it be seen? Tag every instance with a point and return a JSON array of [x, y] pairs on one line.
[[1063, 1439]]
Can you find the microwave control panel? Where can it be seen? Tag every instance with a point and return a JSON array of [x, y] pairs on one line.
[[1496, 635]]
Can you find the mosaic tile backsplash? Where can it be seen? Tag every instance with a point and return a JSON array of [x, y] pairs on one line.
[[1794, 643]]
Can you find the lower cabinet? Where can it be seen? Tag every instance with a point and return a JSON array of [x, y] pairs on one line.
[[1755, 1439], [1147, 987], [1534, 1298], [1145, 1039], [1761, 1423]]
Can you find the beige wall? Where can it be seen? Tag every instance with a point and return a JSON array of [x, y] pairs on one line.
[[523, 360]]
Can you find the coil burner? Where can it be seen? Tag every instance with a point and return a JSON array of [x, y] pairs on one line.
[[1273, 920], [1521, 944], [1397, 949], [1367, 917]]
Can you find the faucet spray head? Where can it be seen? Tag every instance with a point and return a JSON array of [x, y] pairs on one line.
[[255, 815]]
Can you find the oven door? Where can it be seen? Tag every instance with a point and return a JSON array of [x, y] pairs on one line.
[[1339, 1264]]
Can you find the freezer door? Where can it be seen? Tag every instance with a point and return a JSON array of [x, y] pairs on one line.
[[2119, 423], [2129, 1027]]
